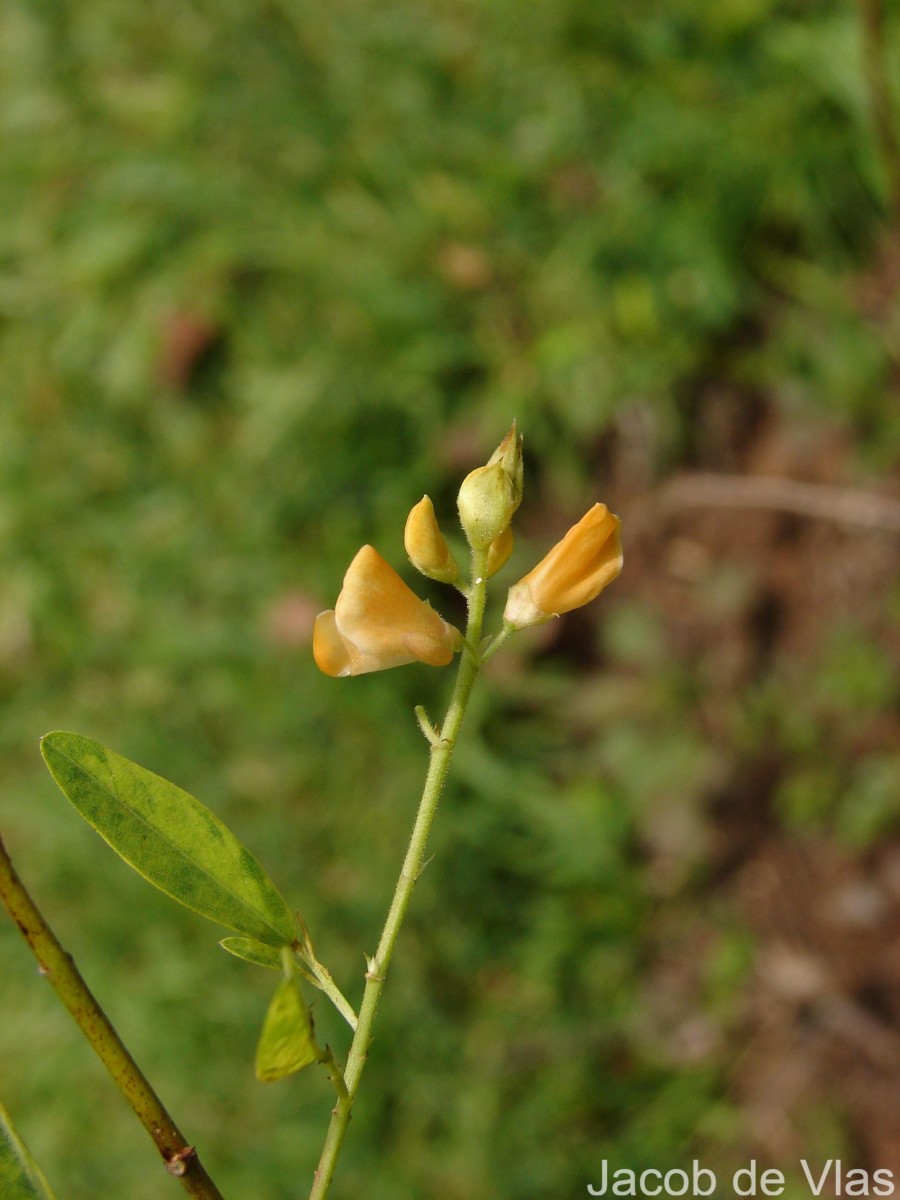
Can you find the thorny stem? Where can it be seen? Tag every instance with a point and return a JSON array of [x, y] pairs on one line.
[[441, 754], [59, 968]]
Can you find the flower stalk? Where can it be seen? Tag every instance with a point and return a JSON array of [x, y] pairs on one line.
[[439, 764]]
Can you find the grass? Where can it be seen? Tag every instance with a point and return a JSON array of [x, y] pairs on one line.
[[267, 273]]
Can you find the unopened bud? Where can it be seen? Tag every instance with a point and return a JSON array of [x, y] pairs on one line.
[[486, 504], [509, 455], [425, 544], [499, 551]]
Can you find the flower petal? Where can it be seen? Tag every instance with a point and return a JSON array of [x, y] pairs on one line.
[[338, 657], [329, 648], [378, 622], [426, 546], [572, 574]]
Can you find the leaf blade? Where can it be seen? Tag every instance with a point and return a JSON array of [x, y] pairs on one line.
[[252, 951], [286, 1043], [168, 837], [20, 1176]]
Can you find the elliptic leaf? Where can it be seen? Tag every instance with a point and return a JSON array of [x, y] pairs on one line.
[[170, 838], [252, 951], [286, 1043], [20, 1176]]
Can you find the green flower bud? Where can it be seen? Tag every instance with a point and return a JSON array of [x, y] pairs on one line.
[[486, 503], [509, 455]]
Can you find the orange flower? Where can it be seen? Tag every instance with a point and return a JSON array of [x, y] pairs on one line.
[[575, 571], [378, 622]]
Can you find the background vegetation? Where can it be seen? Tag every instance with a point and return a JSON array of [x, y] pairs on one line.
[[270, 270]]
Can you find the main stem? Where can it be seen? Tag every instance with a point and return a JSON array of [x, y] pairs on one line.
[[59, 968], [439, 764]]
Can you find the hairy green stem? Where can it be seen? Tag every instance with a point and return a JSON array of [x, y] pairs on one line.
[[321, 977], [441, 753], [59, 968], [496, 642]]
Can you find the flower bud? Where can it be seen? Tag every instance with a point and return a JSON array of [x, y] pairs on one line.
[[378, 622], [499, 551], [575, 571], [428, 551], [486, 504], [509, 455]]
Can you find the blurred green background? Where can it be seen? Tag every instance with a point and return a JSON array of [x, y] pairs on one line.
[[269, 271]]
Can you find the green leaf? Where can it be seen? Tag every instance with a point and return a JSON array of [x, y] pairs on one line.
[[20, 1176], [169, 837], [252, 951], [286, 1043]]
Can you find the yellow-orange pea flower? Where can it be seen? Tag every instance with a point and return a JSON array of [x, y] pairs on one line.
[[378, 622], [575, 571]]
